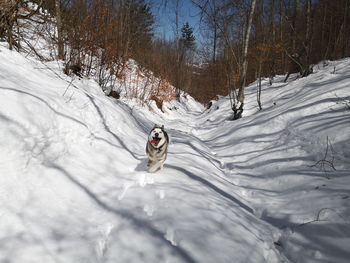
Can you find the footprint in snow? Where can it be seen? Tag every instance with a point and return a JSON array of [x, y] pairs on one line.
[[161, 194], [145, 180], [126, 187], [222, 164], [102, 243], [170, 236], [148, 209]]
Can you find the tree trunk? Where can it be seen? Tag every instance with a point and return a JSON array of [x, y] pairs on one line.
[[258, 95], [306, 68], [11, 18], [272, 20], [214, 44], [243, 72], [59, 30], [283, 57], [344, 35], [294, 30], [273, 37]]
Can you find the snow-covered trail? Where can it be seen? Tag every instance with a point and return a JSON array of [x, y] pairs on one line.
[[74, 185], [213, 216], [193, 203]]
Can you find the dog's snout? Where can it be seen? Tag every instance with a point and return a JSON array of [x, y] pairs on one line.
[[156, 134]]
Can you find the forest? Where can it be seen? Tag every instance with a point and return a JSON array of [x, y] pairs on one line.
[[244, 40]]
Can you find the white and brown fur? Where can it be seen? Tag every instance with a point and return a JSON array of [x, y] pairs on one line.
[[157, 148]]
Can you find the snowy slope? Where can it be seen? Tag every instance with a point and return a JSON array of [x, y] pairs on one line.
[[74, 185]]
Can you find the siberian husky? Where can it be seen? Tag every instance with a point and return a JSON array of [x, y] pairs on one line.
[[157, 148]]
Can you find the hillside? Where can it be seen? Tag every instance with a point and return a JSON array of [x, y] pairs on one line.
[[270, 187]]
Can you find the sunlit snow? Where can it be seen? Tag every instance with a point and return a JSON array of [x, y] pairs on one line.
[[74, 185]]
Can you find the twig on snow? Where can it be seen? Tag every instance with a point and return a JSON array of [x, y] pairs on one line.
[[324, 161]]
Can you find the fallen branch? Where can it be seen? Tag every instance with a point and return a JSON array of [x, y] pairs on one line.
[[343, 101], [319, 214], [323, 162]]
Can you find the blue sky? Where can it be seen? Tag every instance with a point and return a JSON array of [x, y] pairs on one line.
[[165, 17]]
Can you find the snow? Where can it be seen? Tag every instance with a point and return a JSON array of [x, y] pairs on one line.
[[74, 185]]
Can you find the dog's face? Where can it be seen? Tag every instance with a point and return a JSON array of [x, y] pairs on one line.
[[157, 137]]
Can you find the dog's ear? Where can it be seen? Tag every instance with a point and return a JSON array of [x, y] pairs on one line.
[[162, 127], [167, 137]]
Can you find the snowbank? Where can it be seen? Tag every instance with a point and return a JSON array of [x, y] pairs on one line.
[[74, 185]]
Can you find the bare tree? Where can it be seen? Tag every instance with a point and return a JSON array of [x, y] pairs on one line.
[[59, 30], [10, 12], [237, 102], [238, 110]]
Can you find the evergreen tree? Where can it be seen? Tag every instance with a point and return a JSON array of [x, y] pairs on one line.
[[186, 43], [141, 28], [187, 38]]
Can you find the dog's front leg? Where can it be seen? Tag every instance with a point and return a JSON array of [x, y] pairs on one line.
[[161, 166], [149, 162], [155, 167]]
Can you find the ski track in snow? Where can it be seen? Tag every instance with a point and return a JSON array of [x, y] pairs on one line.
[[75, 186]]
